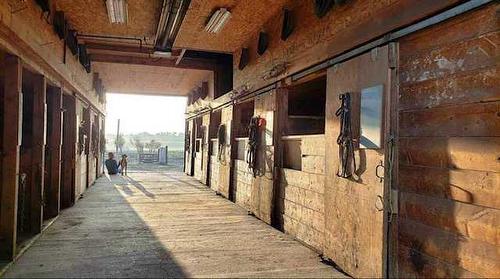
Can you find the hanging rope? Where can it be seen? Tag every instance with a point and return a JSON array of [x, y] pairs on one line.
[[345, 141], [253, 143], [221, 140]]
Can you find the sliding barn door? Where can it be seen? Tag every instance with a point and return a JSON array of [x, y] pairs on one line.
[[355, 207]]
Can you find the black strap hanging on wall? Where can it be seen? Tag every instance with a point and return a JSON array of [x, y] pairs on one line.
[[221, 141], [263, 43], [253, 144], [244, 58], [345, 140], [287, 25]]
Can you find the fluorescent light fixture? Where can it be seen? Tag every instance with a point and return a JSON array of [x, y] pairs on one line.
[[217, 20], [117, 11], [162, 54]]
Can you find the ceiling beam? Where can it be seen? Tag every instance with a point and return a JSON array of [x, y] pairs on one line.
[[186, 62], [145, 49]]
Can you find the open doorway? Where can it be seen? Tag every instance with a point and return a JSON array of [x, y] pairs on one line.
[[148, 129]]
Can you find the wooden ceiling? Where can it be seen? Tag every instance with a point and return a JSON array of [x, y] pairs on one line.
[[129, 66], [247, 18], [90, 17], [150, 80]]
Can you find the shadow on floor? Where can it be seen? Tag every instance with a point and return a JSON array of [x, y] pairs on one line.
[[101, 236]]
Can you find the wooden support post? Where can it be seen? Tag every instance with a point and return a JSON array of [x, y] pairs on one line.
[[68, 159], [11, 101], [279, 130], [38, 152], [53, 160]]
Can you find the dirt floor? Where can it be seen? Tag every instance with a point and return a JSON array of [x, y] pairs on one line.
[[158, 222]]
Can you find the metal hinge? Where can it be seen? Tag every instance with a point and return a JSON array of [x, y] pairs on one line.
[[393, 201]]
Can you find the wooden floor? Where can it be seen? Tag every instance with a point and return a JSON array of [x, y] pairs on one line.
[[166, 224]]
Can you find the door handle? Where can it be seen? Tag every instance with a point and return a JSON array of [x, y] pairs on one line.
[[380, 166]]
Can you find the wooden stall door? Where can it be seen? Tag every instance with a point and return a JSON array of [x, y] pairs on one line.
[[68, 153], [354, 214], [225, 169]]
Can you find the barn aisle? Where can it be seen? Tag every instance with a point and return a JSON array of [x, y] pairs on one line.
[[154, 224]]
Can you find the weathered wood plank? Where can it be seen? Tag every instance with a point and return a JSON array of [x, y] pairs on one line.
[[475, 256], [313, 145], [469, 25], [470, 120], [462, 56], [11, 141], [308, 181], [471, 221], [313, 164], [464, 88], [306, 198], [474, 187], [415, 264], [473, 153], [303, 233], [306, 216]]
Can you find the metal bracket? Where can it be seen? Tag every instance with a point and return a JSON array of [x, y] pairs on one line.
[[393, 200]]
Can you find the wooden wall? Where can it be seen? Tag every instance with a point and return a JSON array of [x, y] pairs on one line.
[[315, 40], [301, 191], [449, 173], [27, 34], [256, 194], [447, 120], [225, 162]]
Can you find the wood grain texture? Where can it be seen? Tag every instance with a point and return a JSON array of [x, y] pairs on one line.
[[28, 35], [343, 28], [68, 166], [472, 255], [11, 101], [448, 152], [474, 187], [143, 16], [354, 233]]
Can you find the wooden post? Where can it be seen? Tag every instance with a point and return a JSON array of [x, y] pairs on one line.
[[11, 141], [53, 160], [38, 152], [68, 159]]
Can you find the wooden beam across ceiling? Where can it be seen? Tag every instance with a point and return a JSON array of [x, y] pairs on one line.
[[124, 48], [186, 62]]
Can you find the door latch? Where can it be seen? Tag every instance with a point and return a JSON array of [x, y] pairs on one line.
[[380, 166]]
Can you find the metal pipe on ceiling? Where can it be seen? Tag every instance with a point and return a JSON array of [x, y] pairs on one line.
[[172, 15]]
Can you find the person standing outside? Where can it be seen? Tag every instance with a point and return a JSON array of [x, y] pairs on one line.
[[111, 164]]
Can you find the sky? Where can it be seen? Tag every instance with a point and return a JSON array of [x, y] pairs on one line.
[[140, 113]]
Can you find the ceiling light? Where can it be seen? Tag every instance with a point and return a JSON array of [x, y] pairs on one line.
[[217, 20], [162, 54], [117, 11]]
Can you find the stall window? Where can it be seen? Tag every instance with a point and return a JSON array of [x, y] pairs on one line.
[[306, 108], [243, 115]]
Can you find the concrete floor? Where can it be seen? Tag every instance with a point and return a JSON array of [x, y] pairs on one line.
[[166, 224]]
